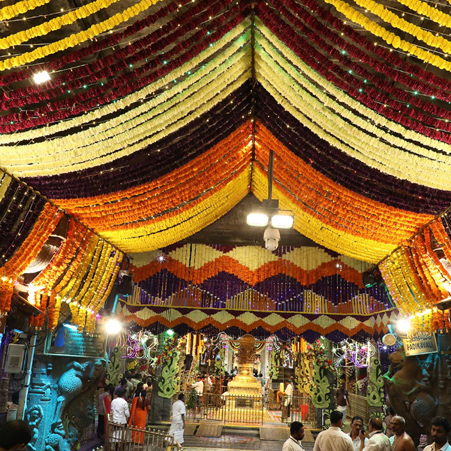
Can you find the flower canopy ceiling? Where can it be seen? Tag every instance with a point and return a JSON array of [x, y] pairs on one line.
[[159, 116]]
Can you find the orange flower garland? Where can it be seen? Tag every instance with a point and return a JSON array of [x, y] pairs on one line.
[[30, 248], [390, 225]]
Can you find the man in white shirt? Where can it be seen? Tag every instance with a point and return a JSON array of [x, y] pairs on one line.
[[378, 441], [289, 397], [333, 438], [296, 435], [178, 420], [199, 387], [356, 427], [439, 433], [120, 413]]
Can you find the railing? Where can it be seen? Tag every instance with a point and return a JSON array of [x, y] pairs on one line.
[[120, 437], [226, 408]]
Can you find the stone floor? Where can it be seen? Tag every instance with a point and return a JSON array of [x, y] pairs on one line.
[[236, 439]]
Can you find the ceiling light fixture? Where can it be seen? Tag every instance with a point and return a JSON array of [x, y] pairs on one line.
[[41, 77], [269, 214]]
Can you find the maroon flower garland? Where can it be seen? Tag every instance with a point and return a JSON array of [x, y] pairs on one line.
[[120, 86]]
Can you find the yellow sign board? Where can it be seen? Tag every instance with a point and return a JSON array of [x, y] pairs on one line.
[[420, 344]]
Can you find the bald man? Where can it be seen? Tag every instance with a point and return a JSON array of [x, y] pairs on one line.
[[377, 441], [401, 441]]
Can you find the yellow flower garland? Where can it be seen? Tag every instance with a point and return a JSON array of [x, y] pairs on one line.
[[20, 8], [390, 38], [403, 25], [124, 103], [77, 38], [54, 24], [424, 9]]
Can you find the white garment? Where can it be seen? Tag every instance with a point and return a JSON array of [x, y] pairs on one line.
[[177, 425], [101, 406], [333, 439], [120, 413], [378, 441], [199, 386], [176, 430], [433, 447], [178, 409], [344, 410], [292, 445], [289, 393], [356, 443]]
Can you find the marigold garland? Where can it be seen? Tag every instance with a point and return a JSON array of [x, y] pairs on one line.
[[176, 227], [77, 38], [109, 129], [403, 25], [358, 144], [378, 121], [165, 193], [390, 38], [318, 192], [54, 24], [163, 124], [309, 222], [7, 12]]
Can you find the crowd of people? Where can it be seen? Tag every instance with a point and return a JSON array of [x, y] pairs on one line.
[[374, 439]]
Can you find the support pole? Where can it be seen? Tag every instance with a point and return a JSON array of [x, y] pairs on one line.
[[24, 392]]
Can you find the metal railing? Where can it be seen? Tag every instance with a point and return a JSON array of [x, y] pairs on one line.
[[120, 437], [226, 408], [301, 409]]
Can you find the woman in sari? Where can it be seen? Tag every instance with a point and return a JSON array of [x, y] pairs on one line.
[[138, 416]]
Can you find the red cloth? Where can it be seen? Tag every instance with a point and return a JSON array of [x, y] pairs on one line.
[[107, 407]]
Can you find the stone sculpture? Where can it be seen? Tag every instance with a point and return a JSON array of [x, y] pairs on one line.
[[409, 389]]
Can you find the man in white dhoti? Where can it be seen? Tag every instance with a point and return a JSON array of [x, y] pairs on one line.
[[178, 420]]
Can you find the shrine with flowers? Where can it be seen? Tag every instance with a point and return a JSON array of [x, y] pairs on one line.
[[256, 189]]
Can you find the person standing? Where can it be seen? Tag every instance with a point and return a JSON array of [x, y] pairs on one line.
[[334, 438], [107, 400], [342, 400], [119, 408], [378, 441], [401, 441], [199, 387], [439, 434], [138, 416], [101, 413], [296, 435], [120, 413], [178, 420], [356, 427], [289, 397], [388, 422]]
